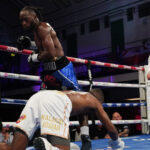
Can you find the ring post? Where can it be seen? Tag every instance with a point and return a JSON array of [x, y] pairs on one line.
[[142, 91], [0, 91], [148, 97], [90, 74]]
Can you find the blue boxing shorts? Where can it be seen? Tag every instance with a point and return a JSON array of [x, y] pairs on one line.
[[59, 75]]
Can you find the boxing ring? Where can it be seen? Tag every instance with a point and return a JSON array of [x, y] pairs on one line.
[[144, 89], [140, 142]]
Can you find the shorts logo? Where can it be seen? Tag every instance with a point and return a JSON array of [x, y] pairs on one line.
[[22, 117]]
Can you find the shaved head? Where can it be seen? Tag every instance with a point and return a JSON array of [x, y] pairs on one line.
[[98, 93]]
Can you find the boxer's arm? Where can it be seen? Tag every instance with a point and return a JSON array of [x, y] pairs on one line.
[[115, 142], [48, 49], [82, 102], [20, 141], [102, 115]]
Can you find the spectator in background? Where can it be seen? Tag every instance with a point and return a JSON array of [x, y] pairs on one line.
[[1, 135], [76, 133], [123, 130], [138, 127], [97, 132], [11, 134], [7, 133], [148, 71]]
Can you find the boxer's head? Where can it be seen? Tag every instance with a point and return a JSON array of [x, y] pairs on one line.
[[29, 17], [98, 93]]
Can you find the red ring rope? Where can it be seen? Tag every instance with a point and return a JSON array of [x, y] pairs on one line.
[[77, 60]]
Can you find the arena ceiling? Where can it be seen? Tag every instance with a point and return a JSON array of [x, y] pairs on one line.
[[9, 9]]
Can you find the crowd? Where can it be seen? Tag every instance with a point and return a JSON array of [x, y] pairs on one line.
[[6, 134]]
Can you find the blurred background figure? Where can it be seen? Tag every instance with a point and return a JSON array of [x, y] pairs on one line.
[[7, 133], [97, 132], [123, 130], [138, 127], [75, 133], [1, 135]]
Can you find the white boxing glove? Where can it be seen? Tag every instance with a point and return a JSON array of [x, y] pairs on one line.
[[33, 58], [117, 144]]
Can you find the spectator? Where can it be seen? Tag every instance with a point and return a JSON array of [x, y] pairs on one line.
[[97, 131], [148, 71], [8, 134], [138, 127], [77, 134], [123, 130], [1, 135]]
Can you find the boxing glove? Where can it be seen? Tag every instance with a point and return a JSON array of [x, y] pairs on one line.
[[32, 58], [117, 144], [23, 42]]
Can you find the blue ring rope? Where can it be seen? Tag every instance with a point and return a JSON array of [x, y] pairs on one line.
[[23, 102]]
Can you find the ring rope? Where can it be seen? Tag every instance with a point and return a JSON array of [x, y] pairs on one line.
[[76, 60], [112, 84], [97, 122], [13, 101], [23, 102], [123, 104], [20, 76], [81, 82]]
